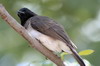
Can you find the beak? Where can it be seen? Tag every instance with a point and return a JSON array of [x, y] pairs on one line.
[[20, 12]]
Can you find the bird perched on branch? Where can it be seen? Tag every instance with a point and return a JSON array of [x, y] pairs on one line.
[[48, 32]]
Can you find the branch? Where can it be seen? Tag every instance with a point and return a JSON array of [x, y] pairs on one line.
[[33, 42]]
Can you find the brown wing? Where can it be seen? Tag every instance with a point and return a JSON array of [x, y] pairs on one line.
[[50, 28]]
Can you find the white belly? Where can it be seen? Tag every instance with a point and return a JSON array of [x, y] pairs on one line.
[[50, 43]]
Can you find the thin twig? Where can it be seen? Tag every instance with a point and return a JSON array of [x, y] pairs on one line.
[[33, 42]]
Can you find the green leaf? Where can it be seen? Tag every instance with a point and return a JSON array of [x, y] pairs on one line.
[[62, 55], [86, 52]]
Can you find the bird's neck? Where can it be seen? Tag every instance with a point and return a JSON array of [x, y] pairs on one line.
[[24, 19], [23, 22]]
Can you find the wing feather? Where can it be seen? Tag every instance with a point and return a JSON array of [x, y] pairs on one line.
[[50, 28]]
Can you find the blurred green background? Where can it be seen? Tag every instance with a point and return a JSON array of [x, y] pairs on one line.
[[80, 18]]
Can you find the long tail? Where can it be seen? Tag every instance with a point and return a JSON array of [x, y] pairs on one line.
[[77, 57]]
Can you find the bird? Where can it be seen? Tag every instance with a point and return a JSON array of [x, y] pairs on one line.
[[50, 33]]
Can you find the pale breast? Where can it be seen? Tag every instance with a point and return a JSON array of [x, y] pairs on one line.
[[50, 43]]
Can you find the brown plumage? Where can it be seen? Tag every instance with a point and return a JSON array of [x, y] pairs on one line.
[[50, 28], [49, 32]]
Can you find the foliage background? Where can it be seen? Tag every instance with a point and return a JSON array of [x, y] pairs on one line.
[[80, 18]]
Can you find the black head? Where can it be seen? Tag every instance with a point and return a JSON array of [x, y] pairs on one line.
[[25, 14]]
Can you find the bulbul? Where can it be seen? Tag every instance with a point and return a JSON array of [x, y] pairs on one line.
[[51, 34]]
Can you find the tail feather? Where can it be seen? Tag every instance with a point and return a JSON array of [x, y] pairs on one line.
[[77, 57]]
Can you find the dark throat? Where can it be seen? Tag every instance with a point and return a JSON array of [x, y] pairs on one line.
[[23, 21]]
